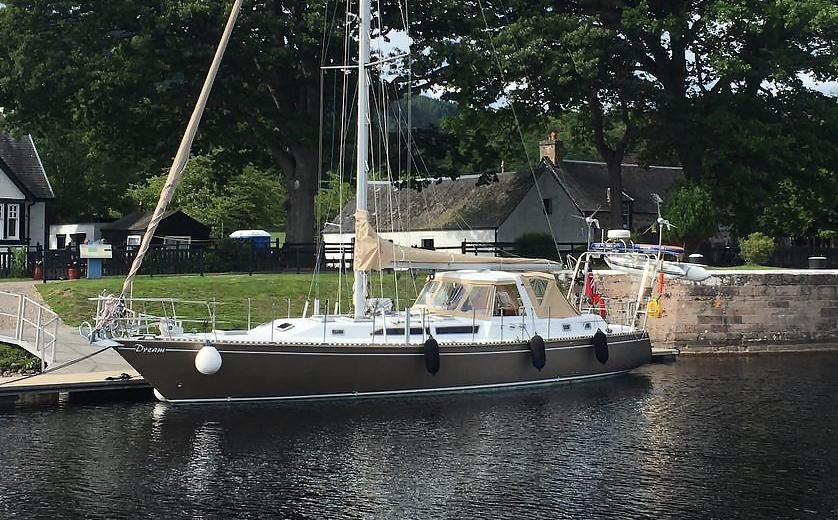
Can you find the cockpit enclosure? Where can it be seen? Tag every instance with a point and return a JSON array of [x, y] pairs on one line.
[[484, 294]]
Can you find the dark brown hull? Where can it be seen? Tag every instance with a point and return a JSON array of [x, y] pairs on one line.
[[270, 371]]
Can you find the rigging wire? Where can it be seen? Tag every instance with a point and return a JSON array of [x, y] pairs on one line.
[[517, 121]]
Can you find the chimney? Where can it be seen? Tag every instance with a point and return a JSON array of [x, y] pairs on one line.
[[551, 149]]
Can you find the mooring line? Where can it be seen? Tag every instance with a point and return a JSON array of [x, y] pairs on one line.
[[59, 367]]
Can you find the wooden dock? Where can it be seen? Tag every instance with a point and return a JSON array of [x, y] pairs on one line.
[[59, 383]]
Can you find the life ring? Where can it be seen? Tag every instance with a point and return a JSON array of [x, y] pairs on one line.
[[432, 355], [601, 346], [539, 354]]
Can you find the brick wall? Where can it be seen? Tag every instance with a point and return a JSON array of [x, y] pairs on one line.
[[743, 311]]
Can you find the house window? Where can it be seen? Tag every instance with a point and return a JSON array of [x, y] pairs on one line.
[[428, 243], [177, 242], [78, 238], [548, 206], [12, 222], [134, 240], [627, 215]]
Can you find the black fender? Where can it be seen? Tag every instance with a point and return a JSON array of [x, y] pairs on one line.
[[539, 354], [601, 346], [432, 355]]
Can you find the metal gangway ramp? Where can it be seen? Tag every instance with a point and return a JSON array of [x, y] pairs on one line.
[[29, 324]]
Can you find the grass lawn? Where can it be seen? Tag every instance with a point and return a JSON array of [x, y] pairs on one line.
[[268, 293]]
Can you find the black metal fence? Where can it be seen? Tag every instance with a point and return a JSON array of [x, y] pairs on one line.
[[245, 257], [784, 256]]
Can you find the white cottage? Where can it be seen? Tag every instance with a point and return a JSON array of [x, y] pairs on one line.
[[24, 191]]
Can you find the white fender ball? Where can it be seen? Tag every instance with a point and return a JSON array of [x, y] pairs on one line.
[[208, 360]]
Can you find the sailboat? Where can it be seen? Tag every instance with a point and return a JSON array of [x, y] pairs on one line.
[[478, 323]]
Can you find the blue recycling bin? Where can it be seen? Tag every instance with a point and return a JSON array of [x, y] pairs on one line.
[[94, 268]]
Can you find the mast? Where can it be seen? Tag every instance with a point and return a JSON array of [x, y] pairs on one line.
[[362, 152]]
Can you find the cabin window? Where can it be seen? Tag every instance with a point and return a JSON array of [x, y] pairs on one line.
[[337, 332], [478, 300], [12, 221], [426, 296], [458, 329], [587, 326], [548, 206], [428, 243], [539, 288], [452, 294], [506, 300], [395, 331], [566, 326], [60, 241]]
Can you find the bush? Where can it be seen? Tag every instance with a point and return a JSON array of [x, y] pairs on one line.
[[536, 245], [757, 248], [15, 358], [19, 263]]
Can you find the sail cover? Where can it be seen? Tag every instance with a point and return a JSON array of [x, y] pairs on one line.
[[374, 253]]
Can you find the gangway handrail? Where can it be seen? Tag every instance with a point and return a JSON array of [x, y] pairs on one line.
[[43, 342]]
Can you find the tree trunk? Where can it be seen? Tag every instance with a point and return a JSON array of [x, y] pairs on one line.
[[301, 185], [690, 157], [615, 182]]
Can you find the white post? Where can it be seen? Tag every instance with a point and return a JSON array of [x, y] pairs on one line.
[[640, 292], [38, 338], [406, 326], [364, 12], [19, 324]]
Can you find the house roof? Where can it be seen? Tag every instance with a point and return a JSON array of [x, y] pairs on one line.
[[21, 156], [136, 221], [463, 204], [586, 183], [443, 204]]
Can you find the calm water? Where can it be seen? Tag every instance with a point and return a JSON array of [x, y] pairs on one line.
[[753, 437]]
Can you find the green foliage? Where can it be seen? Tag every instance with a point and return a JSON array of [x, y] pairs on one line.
[[222, 198], [798, 206], [425, 112], [536, 245], [715, 86], [756, 248], [107, 87], [692, 210], [19, 262], [331, 198], [15, 358]]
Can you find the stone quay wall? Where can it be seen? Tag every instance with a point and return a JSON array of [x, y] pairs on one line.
[[742, 311]]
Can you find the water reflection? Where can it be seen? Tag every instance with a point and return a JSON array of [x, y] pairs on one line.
[[654, 444]]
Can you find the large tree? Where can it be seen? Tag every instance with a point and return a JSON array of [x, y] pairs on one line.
[[109, 85], [525, 63]]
